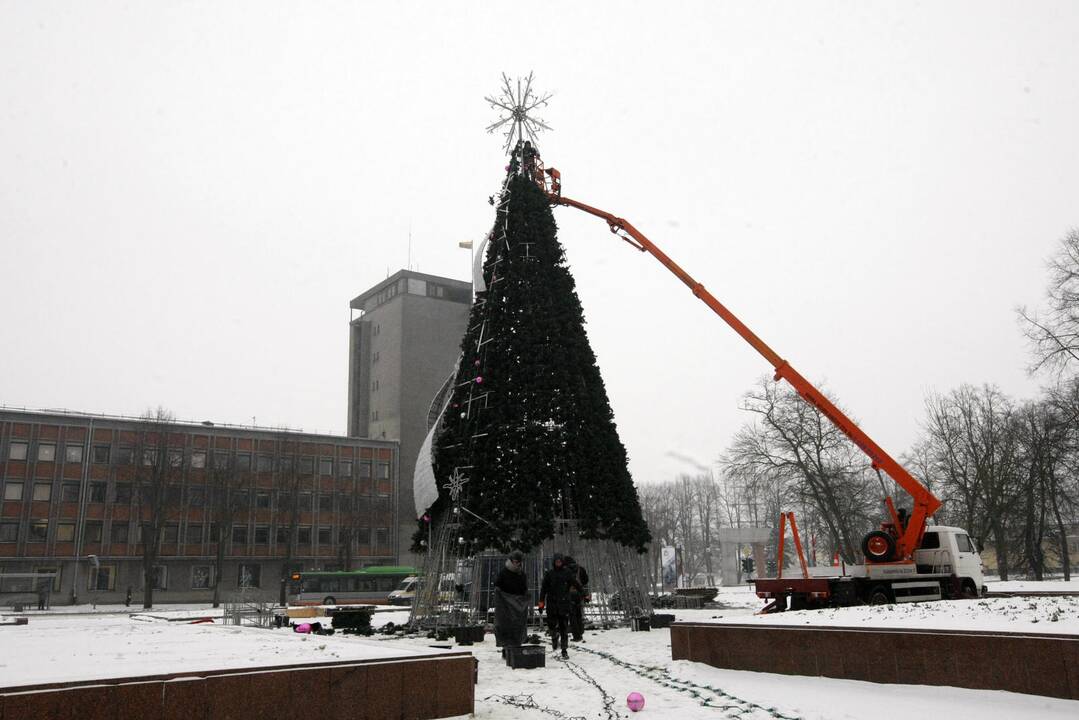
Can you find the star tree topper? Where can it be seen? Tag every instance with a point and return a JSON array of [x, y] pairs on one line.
[[515, 106]]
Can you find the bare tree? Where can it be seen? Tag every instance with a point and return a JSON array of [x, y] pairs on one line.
[[157, 473], [289, 483], [817, 467], [1054, 331], [229, 488], [975, 450]]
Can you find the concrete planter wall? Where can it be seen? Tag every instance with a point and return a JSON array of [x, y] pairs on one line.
[[434, 686], [1034, 664]]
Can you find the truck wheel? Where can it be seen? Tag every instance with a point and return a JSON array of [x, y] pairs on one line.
[[331, 600], [878, 546], [880, 596], [969, 591]]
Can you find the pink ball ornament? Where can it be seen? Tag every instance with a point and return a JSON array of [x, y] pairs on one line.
[[303, 628], [479, 380], [635, 701]]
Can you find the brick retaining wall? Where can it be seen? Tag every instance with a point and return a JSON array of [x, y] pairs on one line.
[[1033, 664], [419, 688]]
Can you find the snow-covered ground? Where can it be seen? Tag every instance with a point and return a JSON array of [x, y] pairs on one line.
[[69, 648], [1012, 614], [1039, 586], [594, 683]]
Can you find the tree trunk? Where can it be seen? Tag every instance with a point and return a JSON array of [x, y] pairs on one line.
[[219, 567], [1001, 542]]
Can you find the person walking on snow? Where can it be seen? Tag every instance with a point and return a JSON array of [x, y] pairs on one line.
[[576, 618], [558, 582], [511, 602]]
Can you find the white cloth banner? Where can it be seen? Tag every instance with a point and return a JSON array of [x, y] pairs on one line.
[[478, 285]]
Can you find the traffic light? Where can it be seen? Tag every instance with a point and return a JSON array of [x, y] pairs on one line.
[[747, 565]]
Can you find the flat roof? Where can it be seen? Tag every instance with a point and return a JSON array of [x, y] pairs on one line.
[[358, 301]]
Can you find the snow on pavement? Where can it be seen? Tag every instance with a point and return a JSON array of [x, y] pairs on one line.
[[1057, 615], [593, 685], [69, 648]]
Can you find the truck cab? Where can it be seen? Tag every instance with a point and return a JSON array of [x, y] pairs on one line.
[[948, 550]]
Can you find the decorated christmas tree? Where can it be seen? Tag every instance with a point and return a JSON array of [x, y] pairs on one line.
[[528, 436]]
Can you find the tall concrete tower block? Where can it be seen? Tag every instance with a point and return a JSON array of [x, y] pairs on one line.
[[404, 341]]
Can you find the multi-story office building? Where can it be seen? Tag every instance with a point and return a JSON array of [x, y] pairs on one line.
[[78, 491], [404, 345]]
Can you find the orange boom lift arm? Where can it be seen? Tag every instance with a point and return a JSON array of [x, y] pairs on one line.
[[908, 536]]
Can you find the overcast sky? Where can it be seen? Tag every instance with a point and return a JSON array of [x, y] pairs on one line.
[[191, 193]]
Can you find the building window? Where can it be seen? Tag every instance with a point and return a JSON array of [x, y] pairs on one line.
[[101, 454], [122, 493], [91, 531], [241, 500], [69, 492], [173, 494], [46, 452], [382, 537], [98, 491], [9, 532], [42, 492], [118, 532], [325, 536], [374, 357], [65, 532], [262, 500], [265, 463], [239, 534], [325, 502], [73, 453], [202, 577], [344, 502], [125, 455], [307, 465], [39, 531], [365, 469], [382, 471], [243, 462], [13, 491], [54, 571], [249, 576], [193, 534], [325, 466], [221, 459], [149, 457], [344, 468], [363, 536], [176, 457], [198, 459], [282, 535], [303, 535], [262, 534], [17, 450], [101, 579], [159, 575], [305, 501], [196, 496], [172, 534]]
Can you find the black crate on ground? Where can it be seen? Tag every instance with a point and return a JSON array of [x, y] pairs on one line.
[[662, 620], [468, 633], [641, 624], [526, 656]]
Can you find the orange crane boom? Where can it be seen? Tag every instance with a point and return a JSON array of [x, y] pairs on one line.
[[908, 535]]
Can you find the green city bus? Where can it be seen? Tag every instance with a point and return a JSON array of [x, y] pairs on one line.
[[368, 586]]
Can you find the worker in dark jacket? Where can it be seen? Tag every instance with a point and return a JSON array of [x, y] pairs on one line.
[[576, 617], [558, 582], [511, 602]]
